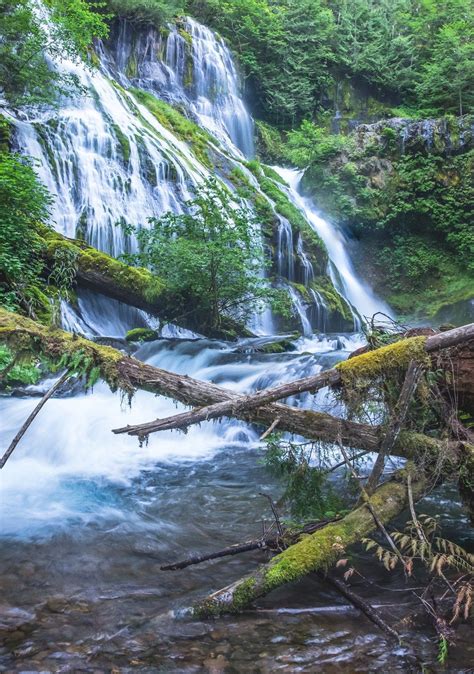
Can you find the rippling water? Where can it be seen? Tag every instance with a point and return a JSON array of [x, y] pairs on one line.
[[86, 519]]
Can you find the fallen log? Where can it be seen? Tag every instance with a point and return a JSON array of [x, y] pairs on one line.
[[128, 374], [397, 355], [135, 286], [316, 552]]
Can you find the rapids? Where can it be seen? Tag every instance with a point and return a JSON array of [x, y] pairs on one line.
[[86, 517]]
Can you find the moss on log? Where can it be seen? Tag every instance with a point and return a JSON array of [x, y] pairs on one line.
[[135, 286], [314, 552]]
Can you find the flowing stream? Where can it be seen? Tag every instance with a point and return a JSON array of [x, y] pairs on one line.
[[87, 517]]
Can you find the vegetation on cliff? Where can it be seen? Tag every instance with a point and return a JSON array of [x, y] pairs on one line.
[[296, 52], [211, 269]]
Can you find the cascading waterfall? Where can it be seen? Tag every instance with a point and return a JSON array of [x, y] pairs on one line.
[[104, 156], [360, 297], [191, 67]]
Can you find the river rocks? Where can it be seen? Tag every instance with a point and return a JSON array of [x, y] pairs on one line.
[[15, 623]]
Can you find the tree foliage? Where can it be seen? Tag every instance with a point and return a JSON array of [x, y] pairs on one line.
[[28, 39], [24, 202], [157, 12], [210, 257], [294, 52]]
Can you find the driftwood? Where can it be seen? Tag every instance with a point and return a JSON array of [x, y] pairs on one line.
[[237, 405], [372, 614], [277, 543], [283, 539], [31, 418]]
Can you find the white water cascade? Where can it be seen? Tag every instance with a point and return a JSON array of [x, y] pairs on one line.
[[342, 273], [190, 67]]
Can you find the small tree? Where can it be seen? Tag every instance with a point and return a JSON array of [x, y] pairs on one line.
[[210, 258]]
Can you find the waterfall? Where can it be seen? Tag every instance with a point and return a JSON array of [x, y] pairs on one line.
[[190, 67], [107, 159], [360, 297]]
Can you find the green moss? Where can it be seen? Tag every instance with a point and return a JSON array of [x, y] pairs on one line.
[[13, 372], [186, 36], [284, 207], [123, 142], [310, 553], [136, 279], [5, 134], [383, 361], [271, 173], [172, 119], [243, 594], [141, 335], [27, 337], [270, 144], [42, 303], [455, 286], [131, 69]]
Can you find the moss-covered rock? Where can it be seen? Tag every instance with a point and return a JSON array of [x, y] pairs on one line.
[[175, 120], [141, 335]]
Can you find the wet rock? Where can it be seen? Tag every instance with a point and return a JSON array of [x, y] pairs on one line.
[[56, 604], [217, 635], [216, 665], [15, 621]]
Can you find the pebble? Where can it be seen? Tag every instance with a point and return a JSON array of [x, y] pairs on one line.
[[216, 665]]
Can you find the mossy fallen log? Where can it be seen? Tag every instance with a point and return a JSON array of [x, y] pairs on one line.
[[315, 552], [366, 368], [128, 374], [135, 286]]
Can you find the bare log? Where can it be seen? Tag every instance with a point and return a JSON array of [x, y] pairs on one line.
[[316, 552], [32, 417], [283, 539], [235, 405], [353, 598]]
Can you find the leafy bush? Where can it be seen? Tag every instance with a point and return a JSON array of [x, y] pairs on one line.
[[26, 43], [209, 257], [157, 12], [24, 202]]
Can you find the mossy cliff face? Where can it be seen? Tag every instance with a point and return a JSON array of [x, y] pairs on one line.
[[403, 190], [271, 184]]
